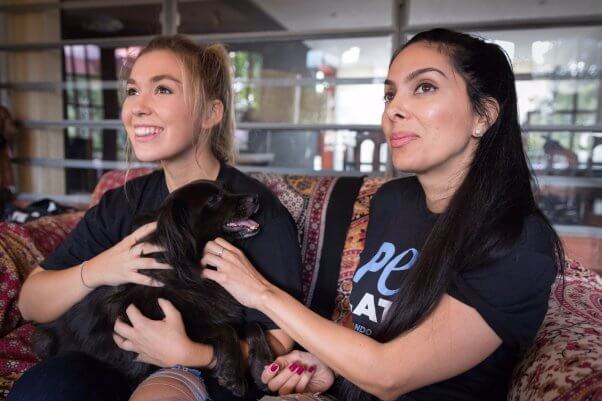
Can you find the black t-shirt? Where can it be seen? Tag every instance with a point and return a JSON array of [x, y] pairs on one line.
[[274, 251], [511, 293]]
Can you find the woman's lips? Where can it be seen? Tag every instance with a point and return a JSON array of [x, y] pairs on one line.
[[402, 138]]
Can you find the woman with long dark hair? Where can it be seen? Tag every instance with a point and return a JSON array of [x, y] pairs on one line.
[[455, 276]]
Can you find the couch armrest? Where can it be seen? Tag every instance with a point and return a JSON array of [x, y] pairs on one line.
[[21, 248], [565, 362]]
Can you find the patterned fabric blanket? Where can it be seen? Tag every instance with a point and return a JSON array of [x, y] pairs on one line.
[[321, 229], [21, 248], [565, 363]]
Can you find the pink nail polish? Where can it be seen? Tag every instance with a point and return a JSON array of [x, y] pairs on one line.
[[293, 367], [300, 370], [274, 367], [311, 369]]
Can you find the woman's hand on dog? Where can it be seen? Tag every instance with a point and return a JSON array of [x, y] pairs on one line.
[[158, 342], [234, 272], [297, 372], [120, 263]]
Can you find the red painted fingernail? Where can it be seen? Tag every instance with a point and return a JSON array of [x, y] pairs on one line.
[[293, 367], [311, 369], [300, 370], [274, 367]]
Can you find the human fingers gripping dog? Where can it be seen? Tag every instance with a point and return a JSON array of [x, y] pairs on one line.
[[121, 263], [158, 342], [234, 272]]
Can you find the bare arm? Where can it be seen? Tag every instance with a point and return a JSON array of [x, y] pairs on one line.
[[201, 355], [451, 340], [47, 294]]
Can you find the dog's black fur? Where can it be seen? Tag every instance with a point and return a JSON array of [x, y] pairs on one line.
[[189, 217]]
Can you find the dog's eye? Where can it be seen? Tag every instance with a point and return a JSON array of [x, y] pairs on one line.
[[214, 200]]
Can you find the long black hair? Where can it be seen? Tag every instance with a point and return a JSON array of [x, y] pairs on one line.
[[485, 216]]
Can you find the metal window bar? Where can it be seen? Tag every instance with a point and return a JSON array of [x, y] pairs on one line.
[[71, 5], [97, 164], [275, 82], [251, 82], [42, 86], [116, 124], [515, 24], [244, 37]]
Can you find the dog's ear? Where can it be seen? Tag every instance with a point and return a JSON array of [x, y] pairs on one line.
[[176, 236]]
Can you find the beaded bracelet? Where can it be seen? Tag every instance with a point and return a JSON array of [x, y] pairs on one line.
[[81, 275]]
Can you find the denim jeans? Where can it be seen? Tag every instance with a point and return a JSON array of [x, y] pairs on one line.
[[73, 376]]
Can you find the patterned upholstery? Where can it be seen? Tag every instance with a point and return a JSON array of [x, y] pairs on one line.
[[306, 198], [21, 248], [354, 244], [564, 364], [114, 179]]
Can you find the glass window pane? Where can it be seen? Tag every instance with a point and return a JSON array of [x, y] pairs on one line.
[[318, 81], [585, 119], [565, 153], [558, 52], [330, 150], [546, 101], [588, 95]]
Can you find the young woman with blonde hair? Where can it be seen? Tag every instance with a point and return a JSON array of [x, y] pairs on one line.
[[177, 111]]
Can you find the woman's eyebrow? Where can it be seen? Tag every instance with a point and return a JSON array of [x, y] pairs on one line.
[[420, 71], [161, 77], [156, 78]]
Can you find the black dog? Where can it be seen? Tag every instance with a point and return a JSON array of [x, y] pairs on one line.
[[189, 217]]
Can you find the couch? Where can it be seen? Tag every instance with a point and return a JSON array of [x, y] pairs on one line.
[[331, 213]]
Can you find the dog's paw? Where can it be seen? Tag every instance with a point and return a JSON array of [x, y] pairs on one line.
[[236, 387]]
